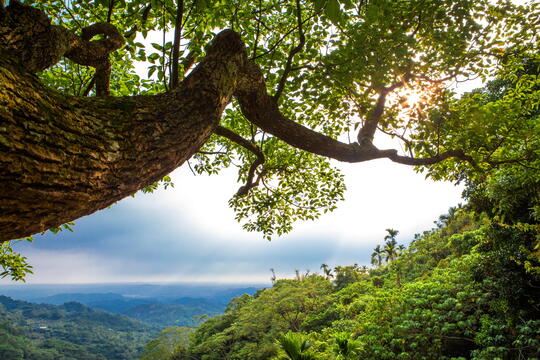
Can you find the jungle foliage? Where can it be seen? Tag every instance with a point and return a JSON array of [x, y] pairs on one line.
[[467, 289], [71, 331]]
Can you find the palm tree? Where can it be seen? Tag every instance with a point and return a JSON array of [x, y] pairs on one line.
[[391, 250], [376, 256], [391, 234], [327, 271], [345, 347], [391, 247], [273, 278], [296, 347]]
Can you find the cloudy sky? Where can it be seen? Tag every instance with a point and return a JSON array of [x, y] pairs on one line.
[[188, 233]]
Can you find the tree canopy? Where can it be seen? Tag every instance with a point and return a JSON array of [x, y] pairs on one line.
[[275, 88]]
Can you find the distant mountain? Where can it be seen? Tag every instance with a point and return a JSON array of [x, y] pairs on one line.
[[69, 331], [165, 309], [186, 314], [162, 292], [111, 302]]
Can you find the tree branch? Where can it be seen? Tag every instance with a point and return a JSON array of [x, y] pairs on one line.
[[89, 86], [234, 137], [176, 45], [110, 11], [367, 132], [144, 19], [262, 110], [406, 160], [294, 51]]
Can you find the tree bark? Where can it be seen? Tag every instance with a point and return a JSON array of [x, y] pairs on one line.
[[64, 157]]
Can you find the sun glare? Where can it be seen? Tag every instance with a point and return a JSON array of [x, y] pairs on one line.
[[412, 100]]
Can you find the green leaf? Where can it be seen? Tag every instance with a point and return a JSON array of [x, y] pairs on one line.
[[333, 11]]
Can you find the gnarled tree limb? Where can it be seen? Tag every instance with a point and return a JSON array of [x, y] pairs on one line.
[[63, 157]]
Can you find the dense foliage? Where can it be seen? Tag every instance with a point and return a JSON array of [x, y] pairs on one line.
[[468, 289], [68, 332]]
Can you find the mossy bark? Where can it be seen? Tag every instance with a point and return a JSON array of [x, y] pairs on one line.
[[64, 157]]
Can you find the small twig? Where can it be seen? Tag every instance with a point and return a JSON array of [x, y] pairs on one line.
[[294, 51], [296, 68], [190, 168], [401, 137]]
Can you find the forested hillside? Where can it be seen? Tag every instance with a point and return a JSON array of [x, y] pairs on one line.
[[66, 332], [467, 289]]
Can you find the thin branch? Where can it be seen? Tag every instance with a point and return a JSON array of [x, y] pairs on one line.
[[144, 19], [90, 86], [188, 62], [234, 137], [71, 15], [212, 152], [436, 81], [257, 34], [190, 168], [110, 11], [294, 51], [280, 40], [507, 161], [401, 137], [296, 68], [176, 45], [163, 58]]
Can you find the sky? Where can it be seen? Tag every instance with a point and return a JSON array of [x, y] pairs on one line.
[[188, 233]]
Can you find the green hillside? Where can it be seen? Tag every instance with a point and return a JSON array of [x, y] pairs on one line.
[[468, 289], [69, 331]]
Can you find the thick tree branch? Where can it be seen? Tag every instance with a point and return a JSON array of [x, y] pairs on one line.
[[367, 132], [96, 53], [406, 160], [65, 157]]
